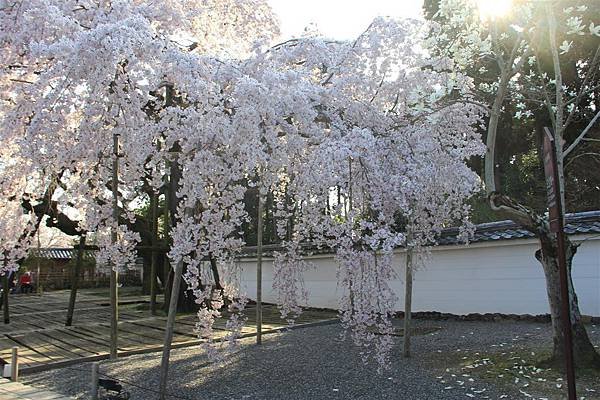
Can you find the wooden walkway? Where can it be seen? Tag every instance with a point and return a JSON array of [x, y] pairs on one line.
[[37, 328], [17, 391]]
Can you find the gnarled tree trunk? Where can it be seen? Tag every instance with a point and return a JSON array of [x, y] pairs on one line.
[[583, 351]]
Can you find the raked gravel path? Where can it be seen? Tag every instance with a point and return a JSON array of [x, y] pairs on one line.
[[313, 363]]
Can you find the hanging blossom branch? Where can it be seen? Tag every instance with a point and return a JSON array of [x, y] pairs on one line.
[[233, 107]]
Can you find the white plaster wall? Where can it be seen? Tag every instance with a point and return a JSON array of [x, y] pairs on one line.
[[497, 277]]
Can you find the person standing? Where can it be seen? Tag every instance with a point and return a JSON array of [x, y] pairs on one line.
[[26, 283]]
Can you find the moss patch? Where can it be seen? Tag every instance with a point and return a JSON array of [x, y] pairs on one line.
[[519, 372]]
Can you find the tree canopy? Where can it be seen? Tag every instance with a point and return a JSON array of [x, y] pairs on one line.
[[347, 137]]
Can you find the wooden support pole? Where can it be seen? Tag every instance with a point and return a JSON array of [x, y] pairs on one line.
[[38, 273], [164, 366], [75, 281], [170, 196], [259, 251], [114, 277], [94, 381], [5, 307], [555, 196], [408, 299], [14, 365], [153, 256]]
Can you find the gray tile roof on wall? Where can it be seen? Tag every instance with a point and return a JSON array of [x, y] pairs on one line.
[[59, 253], [576, 223]]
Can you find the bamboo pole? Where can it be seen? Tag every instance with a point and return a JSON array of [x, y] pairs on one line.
[[75, 281], [114, 277], [164, 366], [38, 264], [94, 382], [5, 306], [14, 365], [174, 296], [259, 251], [408, 299], [154, 223], [167, 225]]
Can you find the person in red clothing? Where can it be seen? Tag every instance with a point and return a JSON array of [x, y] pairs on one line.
[[25, 283]]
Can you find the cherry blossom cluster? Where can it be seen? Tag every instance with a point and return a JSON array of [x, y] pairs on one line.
[[352, 139]]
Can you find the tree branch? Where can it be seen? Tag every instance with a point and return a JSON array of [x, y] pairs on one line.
[[581, 136], [588, 76]]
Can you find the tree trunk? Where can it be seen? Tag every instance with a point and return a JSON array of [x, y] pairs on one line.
[[146, 272], [583, 351], [185, 298], [75, 280]]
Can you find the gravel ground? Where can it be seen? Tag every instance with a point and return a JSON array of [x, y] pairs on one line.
[[313, 363]]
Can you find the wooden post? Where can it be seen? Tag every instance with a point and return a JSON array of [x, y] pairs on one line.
[[259, 251], [408, 299], [154, 226], [556, 221], [38, 262], [114, 277], [14, 365], [94, 382], [75, 280], [167, 225], [5, 297], [164, 366]]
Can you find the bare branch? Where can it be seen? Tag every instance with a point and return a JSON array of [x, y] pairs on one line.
[[581, 135], [21, 81], [519, 213], [559, 127], [588, 76], [582, 155]]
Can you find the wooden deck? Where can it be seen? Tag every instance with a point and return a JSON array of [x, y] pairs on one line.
[[37, 328], [17, 391]]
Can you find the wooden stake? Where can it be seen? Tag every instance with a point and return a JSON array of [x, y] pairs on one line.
[[114, 277], [259, 251], [75, 281], [14, 365], [164, 366], [154, 225], [94, 382], [408, 300], [167, 225], [5, 297], [38, 263]]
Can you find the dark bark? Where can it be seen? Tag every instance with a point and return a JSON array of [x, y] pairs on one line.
[[75, 280], [215, 271], [185, 300]]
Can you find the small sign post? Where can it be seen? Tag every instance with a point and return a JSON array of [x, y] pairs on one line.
[[556, 219]]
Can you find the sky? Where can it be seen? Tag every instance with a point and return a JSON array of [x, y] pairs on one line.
[[339, 19]]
